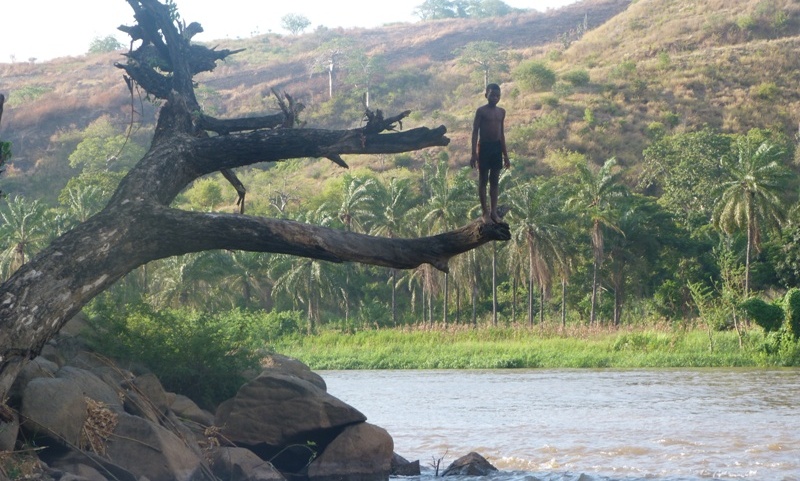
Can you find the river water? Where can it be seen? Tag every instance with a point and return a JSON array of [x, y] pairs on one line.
[[589, 425]]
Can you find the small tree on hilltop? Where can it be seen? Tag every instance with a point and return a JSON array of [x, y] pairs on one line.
[[105, 44], [295, 23]]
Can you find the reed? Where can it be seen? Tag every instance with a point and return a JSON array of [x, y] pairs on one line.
[[519, 347]]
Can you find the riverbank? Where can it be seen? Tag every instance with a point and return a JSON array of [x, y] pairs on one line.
[[459, 347]]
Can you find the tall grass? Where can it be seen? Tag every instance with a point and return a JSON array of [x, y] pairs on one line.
[[519, 347]]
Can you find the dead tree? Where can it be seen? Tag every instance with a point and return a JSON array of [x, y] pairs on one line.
[[138, 225]]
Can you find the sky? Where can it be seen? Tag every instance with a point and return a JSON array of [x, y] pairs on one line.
[[47, 29]]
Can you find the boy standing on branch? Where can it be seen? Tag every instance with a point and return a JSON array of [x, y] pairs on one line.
[[489, 153]]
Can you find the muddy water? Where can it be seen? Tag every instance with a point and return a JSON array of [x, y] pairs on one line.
[[564, 425]]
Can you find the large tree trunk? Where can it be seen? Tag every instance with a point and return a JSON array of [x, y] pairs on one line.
[[138, 225]]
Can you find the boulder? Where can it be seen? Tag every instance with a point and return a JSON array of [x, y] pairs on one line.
[[292, 367], [277, 409], [240, 464], [403, 467], [149, 450], [473, 464], [185, 408], [362, 452], [92, 386], [9, 428], [36, 368], [86, 466], [54, 407], [150, 387]]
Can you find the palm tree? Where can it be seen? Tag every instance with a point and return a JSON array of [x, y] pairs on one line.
[[23, 231], [538, 212], [357, 196], [84, 201], [391, 206], [191, 280], [594, 200], [307, 280], [751, 197], [648, 230], [447, 206]]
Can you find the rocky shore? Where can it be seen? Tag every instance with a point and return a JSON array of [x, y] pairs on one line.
[[73, 415]]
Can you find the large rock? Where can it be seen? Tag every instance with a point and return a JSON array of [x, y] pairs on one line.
[[277, 409], [240, 464], [54, 407], [92, 386], [292, 367], [185, 408], [36, 368], [9, 428], [362, 452], [473, 464], [86, 466], [149, 450], [403, 467]]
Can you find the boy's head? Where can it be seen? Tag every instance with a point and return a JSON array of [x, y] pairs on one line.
[[492, 93]]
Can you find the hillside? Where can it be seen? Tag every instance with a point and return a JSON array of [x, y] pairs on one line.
[[654, 67]]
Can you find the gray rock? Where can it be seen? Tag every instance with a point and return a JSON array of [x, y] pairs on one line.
[[473, 464], [240, 464], [362, 452], [150, 450], [185, 408], [403, 467], [36, 368], [277, 408], [292, 367], [92, 386], [9, 428], [55, 408]]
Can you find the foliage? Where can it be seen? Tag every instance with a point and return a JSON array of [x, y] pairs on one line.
[[578, 78], [438, 9], [485, 56], [105, 44], [200, 355], [791, 305], [534, 75], [517, 346], [768, 316], [295, 23]]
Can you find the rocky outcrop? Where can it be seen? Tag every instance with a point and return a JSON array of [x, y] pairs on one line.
[[473, 464], [94, 421]]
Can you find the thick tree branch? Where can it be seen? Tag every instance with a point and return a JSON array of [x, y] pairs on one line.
[[195, 232], [237, 150]]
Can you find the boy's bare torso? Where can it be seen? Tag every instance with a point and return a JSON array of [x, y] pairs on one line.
[[490, 123]]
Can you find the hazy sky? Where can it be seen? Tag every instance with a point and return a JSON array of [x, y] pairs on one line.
[[46, 29]]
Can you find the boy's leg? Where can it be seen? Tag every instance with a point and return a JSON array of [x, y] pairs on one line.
[[494, 193], [483, 178]]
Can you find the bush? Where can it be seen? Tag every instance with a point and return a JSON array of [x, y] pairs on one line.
[[578, 78], [768, 316], [791, 306], [534, 75], [200, 355]]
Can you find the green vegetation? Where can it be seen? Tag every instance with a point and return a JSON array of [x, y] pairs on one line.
[[516, 347]]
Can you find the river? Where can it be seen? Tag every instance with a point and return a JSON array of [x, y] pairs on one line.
[[589, 425]]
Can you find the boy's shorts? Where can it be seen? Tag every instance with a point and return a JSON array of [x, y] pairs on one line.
[[490, 156]]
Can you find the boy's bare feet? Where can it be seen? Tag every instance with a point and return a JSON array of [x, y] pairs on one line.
[[496, 218], [487, 218]]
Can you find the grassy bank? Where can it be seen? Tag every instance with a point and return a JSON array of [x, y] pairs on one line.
[[489, 348]]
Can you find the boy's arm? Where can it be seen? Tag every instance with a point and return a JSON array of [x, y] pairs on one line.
[[506, 161], [476, 125]]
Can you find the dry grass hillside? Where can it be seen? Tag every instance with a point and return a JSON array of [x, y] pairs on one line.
[[654, 67]]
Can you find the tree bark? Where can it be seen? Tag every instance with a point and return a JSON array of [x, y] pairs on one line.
[[138, 225]]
